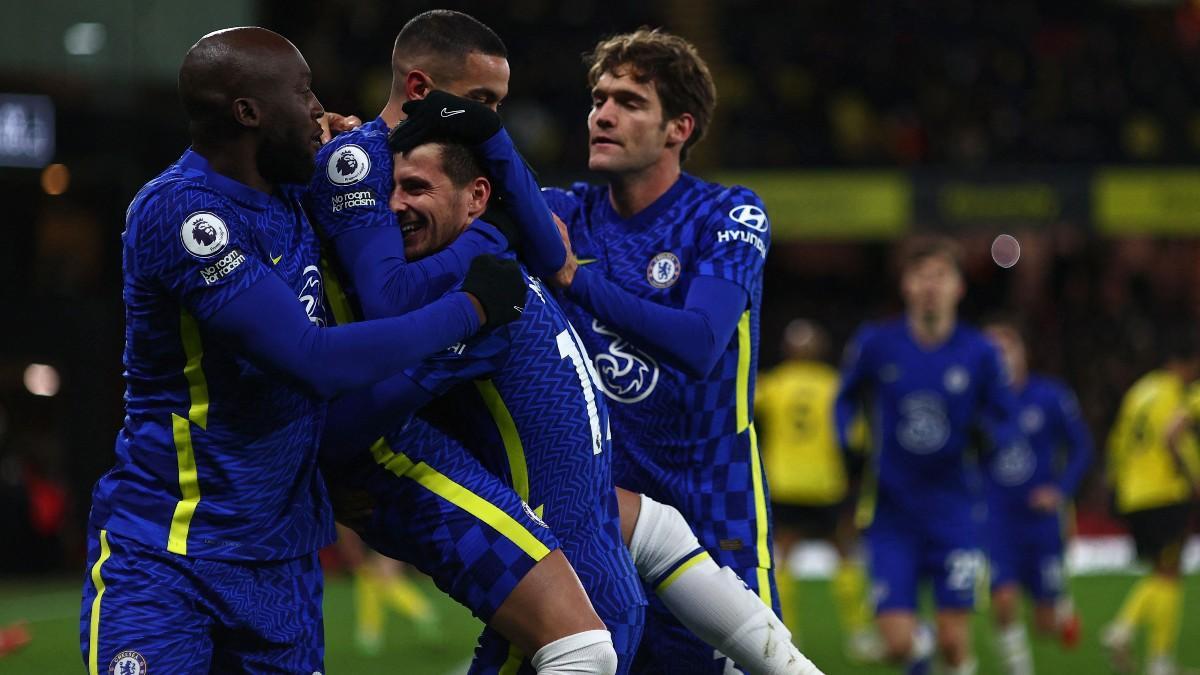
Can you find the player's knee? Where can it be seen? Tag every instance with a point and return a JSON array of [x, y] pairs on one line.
[[660, 539], [952, 646], [587, 653], [898, 646]]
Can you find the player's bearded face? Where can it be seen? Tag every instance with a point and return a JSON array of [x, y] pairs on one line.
[[429, 208], [627, 130], [290, 134], [932, 287]]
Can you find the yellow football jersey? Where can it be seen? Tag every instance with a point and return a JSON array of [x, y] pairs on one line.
[[794, 408], [1142, 469]]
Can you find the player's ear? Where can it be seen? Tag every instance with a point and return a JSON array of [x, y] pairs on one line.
[[481, 193], [417, 84], [247, 112], [680, 129]]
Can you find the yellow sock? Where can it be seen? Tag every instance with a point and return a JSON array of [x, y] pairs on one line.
[[404, 597], [1163, 613], [368, 605], [789, 602], [1133, 611], [850, 595]]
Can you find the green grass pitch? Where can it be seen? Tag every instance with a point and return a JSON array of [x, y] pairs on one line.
[[52, 609]]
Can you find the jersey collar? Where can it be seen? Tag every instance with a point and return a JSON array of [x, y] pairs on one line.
[[648, 215], [240, 192]]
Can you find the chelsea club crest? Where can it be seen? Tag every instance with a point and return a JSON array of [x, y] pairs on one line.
[[663, 270]]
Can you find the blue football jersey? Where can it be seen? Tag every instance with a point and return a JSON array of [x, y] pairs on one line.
[[524, 399], [684, 440], [353, 181], [1057, 451], [216, 459], [925, 405], [695, 229]]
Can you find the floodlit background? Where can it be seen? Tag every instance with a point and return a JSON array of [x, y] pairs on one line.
[[1072, 126]]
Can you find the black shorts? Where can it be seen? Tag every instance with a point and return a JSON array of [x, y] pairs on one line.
[[1160, 531], [812, 522]]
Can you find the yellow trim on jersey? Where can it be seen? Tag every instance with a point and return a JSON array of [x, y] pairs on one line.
[[431, 479], [743, 373], [674, 576], [94, 621], [513, 663], [181, 433], [335, 295], [864, 511], [760, 515], [189, 486], [513, 447], [764, 585], [189, 334]]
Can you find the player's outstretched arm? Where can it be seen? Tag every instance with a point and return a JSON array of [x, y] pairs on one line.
[[266, 324], [388, 285], [692, 338]]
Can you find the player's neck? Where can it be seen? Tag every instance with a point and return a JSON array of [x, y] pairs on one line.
[[931, 332], [234, 161], [630, 193], [393, 112]]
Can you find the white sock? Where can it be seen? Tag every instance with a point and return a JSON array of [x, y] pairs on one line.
[[713, 602], [1013, 644], [588, 653], [922, 643]]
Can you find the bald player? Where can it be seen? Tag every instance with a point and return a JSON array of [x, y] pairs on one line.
[[203, 537]]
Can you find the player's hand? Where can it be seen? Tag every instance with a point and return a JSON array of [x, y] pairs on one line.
[[498, 217], [1046, 498], [333, 124], [444, 115], [499, 287], [565, 276]]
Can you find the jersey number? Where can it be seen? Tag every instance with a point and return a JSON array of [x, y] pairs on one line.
[[568, 348]]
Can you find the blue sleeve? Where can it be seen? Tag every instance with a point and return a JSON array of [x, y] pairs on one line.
[[266, 325], [1079, 442], [692, 338], [999, 408], [388, 285], [855, 369], [734, 240], [543, 250], [196, 244], [356, 419]]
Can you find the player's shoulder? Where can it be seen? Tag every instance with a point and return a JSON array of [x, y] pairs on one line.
[[736, 203], [353, 156], [580, 195], [976, 339], [871, 335], [176, 196]]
